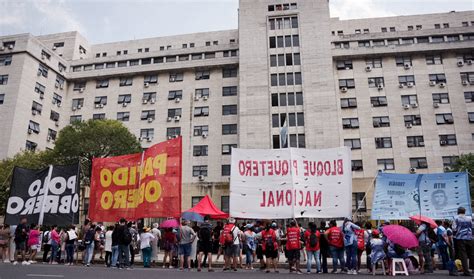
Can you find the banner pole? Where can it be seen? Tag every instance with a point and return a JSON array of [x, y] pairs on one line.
[[365, 195], [45, 196], [140, 172]]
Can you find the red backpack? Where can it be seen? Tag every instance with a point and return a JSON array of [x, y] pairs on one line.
[[227, 237], [360, 239]]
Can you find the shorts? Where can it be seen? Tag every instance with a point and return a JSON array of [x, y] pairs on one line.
[[293, 255], [205, 247], [34, 247], [20, 245], [185, 249], [232, 251], [259, 252], [271, 253]]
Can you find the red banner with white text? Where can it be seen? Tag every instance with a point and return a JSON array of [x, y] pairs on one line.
[[138, 185]]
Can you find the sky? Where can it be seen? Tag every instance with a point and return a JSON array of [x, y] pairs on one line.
[[102, 21]]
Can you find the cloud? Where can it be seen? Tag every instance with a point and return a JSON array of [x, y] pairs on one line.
[[350, 9], [12, 13], [56, 13]]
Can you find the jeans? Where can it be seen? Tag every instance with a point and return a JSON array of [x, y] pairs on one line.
[[88, 253], [124, 255], [337, 254], [324, 254], [351, 256], [54, 250], [146, 252], [465, 252], [70, 253], [426, 251], [108, 258], [443, 252], [115, 254], [248, 256], [309, 261]]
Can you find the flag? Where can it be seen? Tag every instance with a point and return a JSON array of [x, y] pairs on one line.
[[284, 135]]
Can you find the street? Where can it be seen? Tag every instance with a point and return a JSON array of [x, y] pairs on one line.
[[9, 271]]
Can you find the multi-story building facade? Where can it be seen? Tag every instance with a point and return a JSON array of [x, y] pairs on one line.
[[398, 90]]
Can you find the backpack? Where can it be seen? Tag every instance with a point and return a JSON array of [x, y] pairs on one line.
[[46, 237], [269, 243], [127, 236], [228, 236], [433, 237], [313, 240], [205, 234], [89, 237]]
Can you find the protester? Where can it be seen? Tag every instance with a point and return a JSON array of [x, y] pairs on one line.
[[335, 239], [146, 240], [293, 247], [115, 246], [55, 241], [99, 241], [4, 243], [350, 244], [450, 245], [377, 247], [12, 245], [250, 246], [108, 246], [46, 239], [71, 238], [270, 247], [324, 248], [442, 243], [463, 240], [33, 242], [21, 234], [424, 250], [205, 243], [89, 245], [154, 244], [187, 236], [135, 244], [368, 247], [312, 244], [259, 241], [62, 239], [360, 235], [125, 238]]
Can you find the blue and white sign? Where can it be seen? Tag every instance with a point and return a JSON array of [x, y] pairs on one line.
[[438, 195]]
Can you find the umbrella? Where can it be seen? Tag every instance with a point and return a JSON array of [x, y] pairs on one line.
[[400, 235], [171, 223], [192, 216], [420, 218]]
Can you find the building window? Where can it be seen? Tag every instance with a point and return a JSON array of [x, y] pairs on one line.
[[33, 127], [229, 72], [42, 70], [232, 53], [348, 103], [54, 116], [176, 77], [31, 146], [393, 42], [419, 163], [39, 88], [444, 118], [346, 83], [343, 45], [150, 79], [401, 61], [229, 110], [437, 39], [412, 120], [409, 100], [374, 62], [229, 91], [447, 140], [52, 134], [79, 86], [359, 202], [350, 123], [449, 162], [148, 115], [201, 111], [203, 75], [199, 170], [36, 108], [104, 83], [357, 165], [227, 148], [410, 28], [173, 132], [123, 116], [229, 129], [125, 99], [470, 116], [57, 99], [145, 61], [201, 92], [5, 60], [201, 130], [158, 60], [376, 82], [195, 200], [437, 78], [364, 43], [381, 121], [98, 116], [380, 101], [126, 81], [344, 64], [3, 79], [408, 41], [225, 171], [415, 141], [75, 118], [419, 27], [469, 97], [385, 142], [352, 143], [110, 65], [149, 97], [440, 98], [436, 59], [406, 80], [100, 101], [97, 66], [385, 164], [200, 150], [437, 26], [175, 94], [196, 56], [147, 134], [177, 112], [378, 43], [209, 55], [465, 78]]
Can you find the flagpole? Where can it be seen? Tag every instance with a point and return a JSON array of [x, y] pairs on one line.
[[45, 196], [140, 172]]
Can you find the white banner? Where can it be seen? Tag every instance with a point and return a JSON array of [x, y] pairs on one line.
[[291, 183]]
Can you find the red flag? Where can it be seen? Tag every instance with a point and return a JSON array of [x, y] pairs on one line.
[[124, 187]]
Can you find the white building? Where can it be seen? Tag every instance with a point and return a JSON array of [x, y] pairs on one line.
[[398, 90]]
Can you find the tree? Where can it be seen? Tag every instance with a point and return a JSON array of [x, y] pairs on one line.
[[465, 162], [84, 141]]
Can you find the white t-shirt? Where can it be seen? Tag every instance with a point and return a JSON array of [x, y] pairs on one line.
[[236, 233], [145, 240], [108, 241]]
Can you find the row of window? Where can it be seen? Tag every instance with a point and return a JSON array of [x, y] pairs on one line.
[[284, 79], [288, 59], [410, 100], [406, 41], [287, 22], [409, 28], [202, 150], [284, 41], [227, 129], [415, 163], [152, 60], [282, 7], [412, 141]]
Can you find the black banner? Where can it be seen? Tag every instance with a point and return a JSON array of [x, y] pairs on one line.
[[59, 201]]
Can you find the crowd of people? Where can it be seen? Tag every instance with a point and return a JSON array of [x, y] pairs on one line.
[[249, 245]]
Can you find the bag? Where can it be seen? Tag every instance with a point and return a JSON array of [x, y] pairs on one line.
[[441, 242], [313, 240], [433, 237], [269, 243], [228, 236], [205, 234], [89, 237], [46, 237], [127, 236]]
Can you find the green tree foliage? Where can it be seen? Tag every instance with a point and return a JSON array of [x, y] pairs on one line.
[[465, 162]]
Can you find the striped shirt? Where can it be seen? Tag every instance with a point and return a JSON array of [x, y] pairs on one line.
[[462, 227]]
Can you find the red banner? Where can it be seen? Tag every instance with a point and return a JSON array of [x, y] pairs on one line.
[[139, 185]]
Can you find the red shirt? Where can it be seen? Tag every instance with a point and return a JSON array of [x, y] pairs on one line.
[[307, 235], [335, 237], [293, 238], [269, 234], [360, 239]]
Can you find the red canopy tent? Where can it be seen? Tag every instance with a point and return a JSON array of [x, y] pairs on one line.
[[207, 207]]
